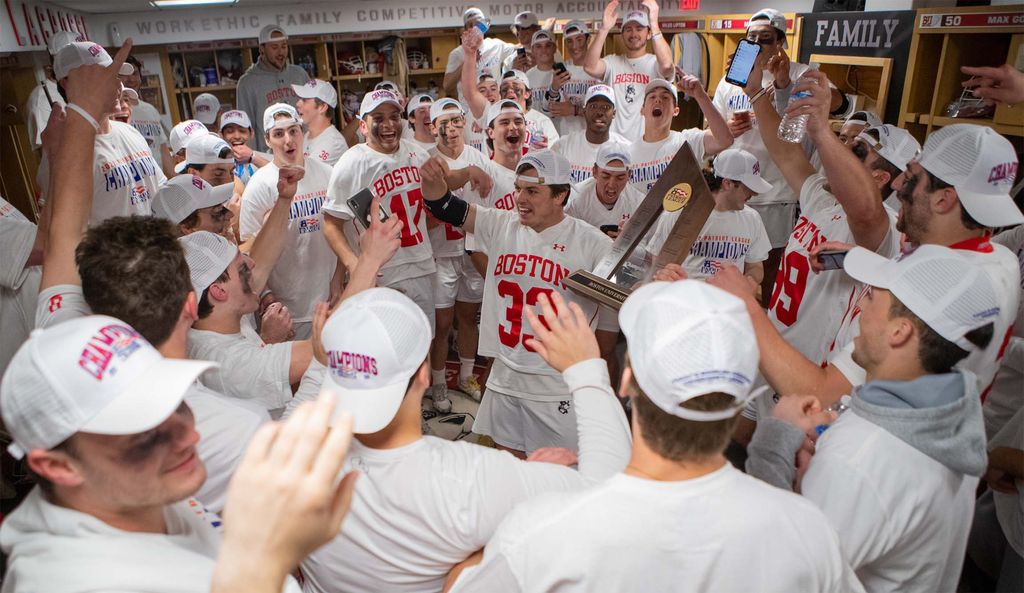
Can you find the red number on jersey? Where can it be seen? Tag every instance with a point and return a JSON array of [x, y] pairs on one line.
[[409, 206], [791, 281], [452, 233], [512, 335]]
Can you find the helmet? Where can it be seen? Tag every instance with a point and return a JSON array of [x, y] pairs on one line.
[[350, 64], [417, 59]]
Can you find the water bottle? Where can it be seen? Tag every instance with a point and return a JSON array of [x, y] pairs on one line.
[[793, 129], [839, 407]]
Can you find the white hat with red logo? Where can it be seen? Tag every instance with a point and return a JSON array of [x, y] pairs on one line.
[[61, 38], [981, 165], [184, 194], [494, 110], [235, 117], [206, 150], [92, 374], [206, 107], [271, 121], [639, 17], [895, 145], [551, 168], [446, 106], [375, 342], [613, 151], [374, 99], [185, 132], [542, 36], [417, 102], [739, 165], [317, 89], [600, 90], [83, 53], [525, 20]]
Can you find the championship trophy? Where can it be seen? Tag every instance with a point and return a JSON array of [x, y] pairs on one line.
[[682, 189]]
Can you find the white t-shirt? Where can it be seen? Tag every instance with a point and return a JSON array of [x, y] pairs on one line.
[[575, 91], [1006, 394], [540, 83], [724, 531], [581, 154], [650, 159], [1010, 506], [629, 78], [396, 177], [476, 132], [327, 147], [490, 56], [502, 196], [728, 238], [146, 119], [586, 207], [421, 508], [445, 239], [302, 276], [538, 123], [19, 285], [38, 109], [523, 264], [125, 174]]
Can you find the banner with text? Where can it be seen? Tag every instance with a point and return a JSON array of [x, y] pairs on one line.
[[29, 25]]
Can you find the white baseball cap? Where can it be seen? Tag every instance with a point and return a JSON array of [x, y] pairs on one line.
[[687, 339], [502, 106], [235, 117], [439, 108], [518, 75], [185, 132], [639, 17], [575, 28], [61, 38], [775, 18], [661, 83], [205, 150], [739, 165], [981, 165], [600, 90], [613, 151], [375, 342], [184, 194], [208, 255], [867, 118], [525, 20], [947, 291], [83, 53], [130, 93], [473, 13], [895, 145], [270, 120], [418, 101], [92, 374], [387, 84], [267, 34], [541, 37], [552, 168], [206, 107], [376, 98], [317, 89]]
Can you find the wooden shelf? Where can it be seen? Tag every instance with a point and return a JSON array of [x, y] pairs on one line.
[[421, 72], [941, 120], [208, 88], [356, 76]]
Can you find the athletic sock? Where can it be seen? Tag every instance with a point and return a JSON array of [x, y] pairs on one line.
[[437, 377], [466, 368]]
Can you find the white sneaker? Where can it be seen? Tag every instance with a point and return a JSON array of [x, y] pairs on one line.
[[439, 393], [471, 387]]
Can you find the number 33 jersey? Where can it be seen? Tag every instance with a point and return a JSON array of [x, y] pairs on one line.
[[523, 264], [395, 177]]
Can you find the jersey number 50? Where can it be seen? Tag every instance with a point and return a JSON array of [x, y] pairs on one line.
[[510, 336]]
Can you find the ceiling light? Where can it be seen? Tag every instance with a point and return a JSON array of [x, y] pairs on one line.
[[181, 3]]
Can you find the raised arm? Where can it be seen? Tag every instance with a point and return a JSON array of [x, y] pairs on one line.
[[442, 204], [717, 137], [267, 247], [593, 64], [378, 245], [474, 98], [662, 51]]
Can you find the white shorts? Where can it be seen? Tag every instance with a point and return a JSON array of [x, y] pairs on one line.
[[779, 220], [527, 425], [421, 290], [456, 280]]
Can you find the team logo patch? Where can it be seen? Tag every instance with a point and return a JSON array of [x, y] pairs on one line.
[[1003, 173], [351, 365], [677, 197], [309, 225], [106, 348], [197, 181]]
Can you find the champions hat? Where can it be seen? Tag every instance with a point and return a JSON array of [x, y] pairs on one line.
[[417, 102], [185, 132], [525, 20], [374, 99], [206, 107], [270, 120], [83, 53], [317, 89], [267, 34], [502, 106], [895, 145], [739, 165], [981, 165], [639, 17], [542, 36], [686, 339], [600, 90], [661, 83], [575, 28], [235, 117], [92, 374], [552, 168], [61, 38], [375, 342], [439, 108], [948, 292], [184, 194], [613, 151], [207, 255], [206, 150], [518, 75], [775, 18], [866, 118]]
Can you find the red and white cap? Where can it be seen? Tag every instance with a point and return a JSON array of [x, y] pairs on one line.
[[375, 342], [92, 374], [270, 114], [206, 107], [83, 53], [542, 36], [947, 291], [206, 150], [207, 255], [272, 33], [375, 98], [446, 106], [639, 17], [687, 339], [501, 106], [775, 18], [235, 117], [613, 151], [184, 194], [739, 165], [895, 145], [417, 102], [661, 83], [600, 90], [317, 89], [981, 165], [575, 28], [551, 168], [525, 20], [185, 132], [61, 38], [518, 75]]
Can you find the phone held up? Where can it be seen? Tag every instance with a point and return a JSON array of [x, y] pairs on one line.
[[742, 63], [559, 67], [360, 205], [832, 260]]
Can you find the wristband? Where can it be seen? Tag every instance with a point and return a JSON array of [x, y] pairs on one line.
[[758, 95], [85, 115], [656, 36]]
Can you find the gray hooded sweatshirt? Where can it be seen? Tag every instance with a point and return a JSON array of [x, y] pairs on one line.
[[260, 87]]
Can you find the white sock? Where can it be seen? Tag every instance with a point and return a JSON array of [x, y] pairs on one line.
[[437, 377], [466, 368]]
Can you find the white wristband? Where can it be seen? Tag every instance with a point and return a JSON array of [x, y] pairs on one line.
[[85, 115]]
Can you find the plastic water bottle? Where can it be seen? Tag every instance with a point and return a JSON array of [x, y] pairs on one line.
[[793, 129], [839, 407]]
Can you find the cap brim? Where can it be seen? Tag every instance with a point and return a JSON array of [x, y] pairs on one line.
[[207, 120], [991, 210], [180, 167], [150, 400], [126, 70], [756, 184], [870, 268], [372, 409], [219, 195], [379, 105], [301, 88]]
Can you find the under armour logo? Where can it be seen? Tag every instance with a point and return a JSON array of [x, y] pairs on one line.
[[55, 302], [563, 407], [836, 217], [558, 247]]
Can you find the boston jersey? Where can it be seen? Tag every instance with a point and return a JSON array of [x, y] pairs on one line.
[[445, 239], [650, 159], [396, 177], [629, 77], [586, 207], [581, 154]]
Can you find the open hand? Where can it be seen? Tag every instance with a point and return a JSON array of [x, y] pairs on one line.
[[611, 15], [1004, 84], [563, 334]]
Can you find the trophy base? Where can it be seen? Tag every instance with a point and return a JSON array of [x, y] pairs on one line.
[[596, 288]]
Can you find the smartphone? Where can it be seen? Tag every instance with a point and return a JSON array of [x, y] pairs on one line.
[[360, 205], [832, 260], [521, 51], [742, 63], [559, 67], [609, 228]]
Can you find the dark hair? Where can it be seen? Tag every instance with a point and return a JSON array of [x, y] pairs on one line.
[[133, 268], [205, 306], [556, 188], [191, 221], [678, 439], [935, 353], [882, 164], [935, 184], [714, 181]]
